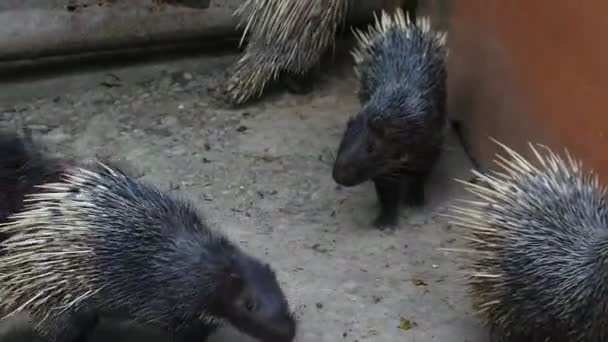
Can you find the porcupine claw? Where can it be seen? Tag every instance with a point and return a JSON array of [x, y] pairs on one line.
[[385, 221], [388, 196]]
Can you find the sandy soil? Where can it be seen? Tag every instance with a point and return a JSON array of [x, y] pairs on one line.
[[263, 174]]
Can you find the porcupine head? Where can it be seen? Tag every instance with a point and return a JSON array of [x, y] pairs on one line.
[[401, 72], [253, 302]]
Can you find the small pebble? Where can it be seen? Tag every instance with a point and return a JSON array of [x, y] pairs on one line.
[[420, 282], [169, 120]]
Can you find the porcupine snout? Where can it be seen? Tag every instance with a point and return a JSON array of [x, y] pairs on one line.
[[347, 175], [353, 164]]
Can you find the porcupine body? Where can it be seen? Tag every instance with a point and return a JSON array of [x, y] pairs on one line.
[[538, 242], [397, 137], [286, 40], [95, 242]]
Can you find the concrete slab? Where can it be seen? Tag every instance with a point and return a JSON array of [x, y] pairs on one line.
[[262, 173]]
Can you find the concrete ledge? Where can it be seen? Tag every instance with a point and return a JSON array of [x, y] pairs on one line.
[[103, 25], [35, 33]]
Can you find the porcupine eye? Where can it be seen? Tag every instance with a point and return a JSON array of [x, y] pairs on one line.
[[249, 305], [370, 147]]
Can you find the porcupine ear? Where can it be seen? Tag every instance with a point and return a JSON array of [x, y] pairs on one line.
[[229, 288], [383, 126], [233, 280]]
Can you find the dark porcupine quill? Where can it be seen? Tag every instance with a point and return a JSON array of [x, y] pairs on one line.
[[538, 246], [94, 242], [397, 137]]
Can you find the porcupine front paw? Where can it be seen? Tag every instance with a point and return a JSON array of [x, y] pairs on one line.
[[497, 335], [386, 220], [414, 194]]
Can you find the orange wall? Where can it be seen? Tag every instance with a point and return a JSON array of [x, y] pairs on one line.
[[535, 71]]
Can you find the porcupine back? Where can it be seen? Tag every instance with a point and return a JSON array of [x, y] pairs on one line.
[[98, 236], [538, 239], [399, 53], [283, 35]]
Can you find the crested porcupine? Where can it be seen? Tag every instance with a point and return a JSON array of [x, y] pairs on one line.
[[538, 242], [286, 39], [397, 137], [96, 242]]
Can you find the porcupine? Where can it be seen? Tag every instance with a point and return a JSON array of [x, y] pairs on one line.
[[286, 40], [538, 242], [95, 242], [397, 137]]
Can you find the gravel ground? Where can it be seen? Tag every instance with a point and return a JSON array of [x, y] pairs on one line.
[[263, 174]]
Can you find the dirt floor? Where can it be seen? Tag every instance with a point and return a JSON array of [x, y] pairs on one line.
[[263, 174]]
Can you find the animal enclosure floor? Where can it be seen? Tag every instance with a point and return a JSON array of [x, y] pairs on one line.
[[263, 174]]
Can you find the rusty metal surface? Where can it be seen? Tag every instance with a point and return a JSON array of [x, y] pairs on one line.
[[437, 10], [526, 71]]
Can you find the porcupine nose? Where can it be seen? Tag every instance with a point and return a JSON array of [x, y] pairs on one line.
[[342, 174], [283, 327], [286, 330], [348, 175]]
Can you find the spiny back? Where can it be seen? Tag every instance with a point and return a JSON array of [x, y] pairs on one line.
[[396, 52], [538, 238], [284, 35], [97, 230]]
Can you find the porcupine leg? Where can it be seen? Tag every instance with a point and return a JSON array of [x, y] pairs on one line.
[[497, 335], [68, 327], [299, 84], [387, 192], [413, 189], [195, 332]]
